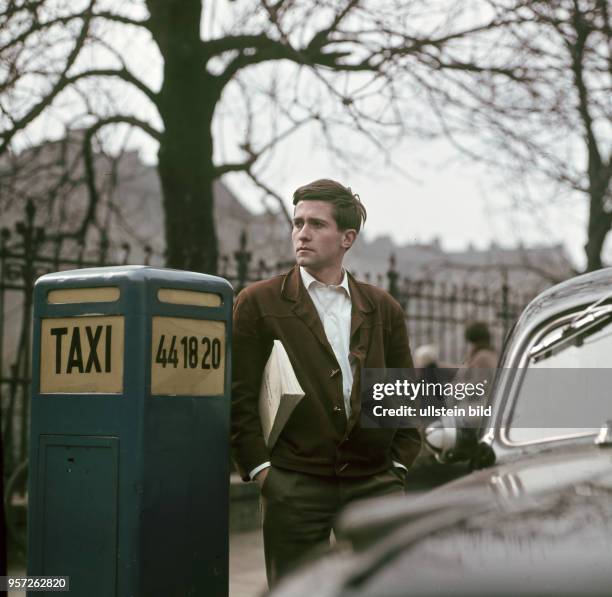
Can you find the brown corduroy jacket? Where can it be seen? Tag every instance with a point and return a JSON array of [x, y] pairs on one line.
[[317, 439]]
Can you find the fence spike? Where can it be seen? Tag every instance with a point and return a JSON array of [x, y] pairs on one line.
[[126, 252]]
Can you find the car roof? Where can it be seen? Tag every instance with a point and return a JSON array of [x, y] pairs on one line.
[[563, 297]]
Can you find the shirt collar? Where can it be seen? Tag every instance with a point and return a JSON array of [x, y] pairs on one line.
[[309, 280]]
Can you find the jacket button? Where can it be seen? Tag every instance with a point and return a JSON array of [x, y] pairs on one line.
[[337, 409], [343, 467], [334, 372]]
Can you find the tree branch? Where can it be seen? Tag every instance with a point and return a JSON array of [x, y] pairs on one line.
[[255, 155], [57, 88], [321, 38], [88, 158], [110, 16], [263, 48], [235, 166], [131, 120], [577, 55], [214, 47], [67, 81], [121, 73], [515, 74], [38, 26], [273, 194]]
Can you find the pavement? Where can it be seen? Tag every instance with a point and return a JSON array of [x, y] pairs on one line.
[[247, 567]]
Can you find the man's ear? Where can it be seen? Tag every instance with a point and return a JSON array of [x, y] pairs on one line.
[[348, 238]]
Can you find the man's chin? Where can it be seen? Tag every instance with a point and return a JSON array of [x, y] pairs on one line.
[[303, 259]]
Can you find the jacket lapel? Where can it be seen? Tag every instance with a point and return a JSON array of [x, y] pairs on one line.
[[362, 308], [361, 311], [293, 290]]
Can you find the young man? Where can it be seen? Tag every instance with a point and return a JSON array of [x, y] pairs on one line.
[[331, 326]]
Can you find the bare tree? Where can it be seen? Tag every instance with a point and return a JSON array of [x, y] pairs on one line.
[[536, 100], [237, 79], [76, 188]]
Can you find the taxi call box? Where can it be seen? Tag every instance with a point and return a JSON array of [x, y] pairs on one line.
[[129, 455]]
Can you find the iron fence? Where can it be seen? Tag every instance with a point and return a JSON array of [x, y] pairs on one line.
[[437, 312]]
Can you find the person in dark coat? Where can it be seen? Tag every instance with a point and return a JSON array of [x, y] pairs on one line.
[[481, 354], [331, 326]]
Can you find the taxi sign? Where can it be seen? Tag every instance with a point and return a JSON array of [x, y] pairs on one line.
[[129, 431], [187, 357], [82, 355]]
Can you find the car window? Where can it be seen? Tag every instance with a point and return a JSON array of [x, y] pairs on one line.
[[565, 385]]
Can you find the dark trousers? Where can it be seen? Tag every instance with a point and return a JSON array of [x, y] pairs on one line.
[[299, 511]]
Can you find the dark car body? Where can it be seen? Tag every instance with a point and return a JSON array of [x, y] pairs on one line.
[[538, 519]]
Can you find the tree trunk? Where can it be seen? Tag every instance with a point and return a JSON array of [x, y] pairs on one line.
[[598, 228], [191, 241], [186, 104], [593, 250]]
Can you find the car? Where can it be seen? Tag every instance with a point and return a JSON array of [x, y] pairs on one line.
[[534, 517]]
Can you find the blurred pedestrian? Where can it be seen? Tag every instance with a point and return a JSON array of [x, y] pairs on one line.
[[480, 354], [426, 364], [426, 356], [478, 369]]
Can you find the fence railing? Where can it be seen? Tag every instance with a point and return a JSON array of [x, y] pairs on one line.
[[436, 312]]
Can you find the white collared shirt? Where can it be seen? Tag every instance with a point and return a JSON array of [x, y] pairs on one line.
[[333, 304]]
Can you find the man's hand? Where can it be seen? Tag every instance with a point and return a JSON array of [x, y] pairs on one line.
[[260, 477]]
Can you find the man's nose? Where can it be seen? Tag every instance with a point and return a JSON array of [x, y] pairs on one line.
[[304, 232]]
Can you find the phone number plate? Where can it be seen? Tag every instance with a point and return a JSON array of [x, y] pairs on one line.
[[187, 357]]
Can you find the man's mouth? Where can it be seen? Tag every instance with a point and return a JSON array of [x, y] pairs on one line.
[[303, 249]]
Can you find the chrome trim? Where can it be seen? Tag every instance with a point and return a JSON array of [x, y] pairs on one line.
[[604, 437], [592, 307], [571, 331], [507, 413], [546, 440]]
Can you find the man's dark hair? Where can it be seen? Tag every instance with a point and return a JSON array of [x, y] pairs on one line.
[[349, 212], [478, 332]]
